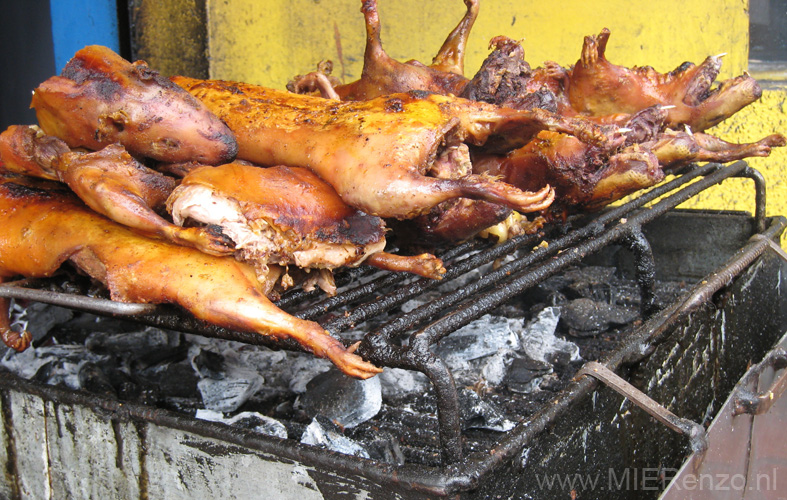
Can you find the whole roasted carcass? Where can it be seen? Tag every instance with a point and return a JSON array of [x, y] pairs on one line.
[[45, 226], [278, 215], [586, 179], [383, 75], [394, 156], [101, 99]]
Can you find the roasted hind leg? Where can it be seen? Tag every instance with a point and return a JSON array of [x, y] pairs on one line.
[[44, 228], [109, 181], [674, 149]]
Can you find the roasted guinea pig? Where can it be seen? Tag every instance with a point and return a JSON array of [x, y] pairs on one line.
[[584, 177], [595, 87], [587, 179], [394, 156], [109, 181], [45, 227], [288, 216], [383, 75], [100, 99]]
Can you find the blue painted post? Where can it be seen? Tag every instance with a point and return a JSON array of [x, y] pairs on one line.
[[77, 23]]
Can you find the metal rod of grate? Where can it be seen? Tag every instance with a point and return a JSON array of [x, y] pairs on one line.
[[456, 309]]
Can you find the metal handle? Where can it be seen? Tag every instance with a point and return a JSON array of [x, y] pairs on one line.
[[694, 431], [757, 404]]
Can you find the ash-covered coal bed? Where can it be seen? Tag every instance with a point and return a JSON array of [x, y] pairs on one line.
[[506, 364]]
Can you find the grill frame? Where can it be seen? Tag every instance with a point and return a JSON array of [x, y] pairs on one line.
[[462, 473]]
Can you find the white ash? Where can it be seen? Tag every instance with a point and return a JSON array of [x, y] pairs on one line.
[[325, 434], [539, 341], [345, 400], [397, 384], [231, 392], [248, 419], [56, 364]]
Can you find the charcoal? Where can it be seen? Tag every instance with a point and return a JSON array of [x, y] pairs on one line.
[[385, 448], [593, 282], [584, 317], [346, 401], [93, 379], [143, 348], [52, 365], [253, 421], [397, 384], [483, 337], [172, 379], [208, 364], [523, 374], [41, 318], [326, 434], [231, 392], [479, 414], [539, 341]]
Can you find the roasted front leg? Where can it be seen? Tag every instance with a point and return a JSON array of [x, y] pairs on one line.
[[109, 181], [44, 228], [100, 99]]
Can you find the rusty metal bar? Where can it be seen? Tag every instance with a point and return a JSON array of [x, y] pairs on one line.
[[694, 431]]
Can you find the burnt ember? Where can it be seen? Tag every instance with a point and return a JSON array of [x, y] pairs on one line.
[[505, 364]]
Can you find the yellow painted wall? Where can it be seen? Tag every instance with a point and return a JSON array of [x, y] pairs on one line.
[[270, 41], [267, 42]]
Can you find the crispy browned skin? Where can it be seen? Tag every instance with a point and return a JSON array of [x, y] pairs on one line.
[[100, 98], [109, 181], [376, 153], [587, 179], [597, 87], [584, 178], [674, 149], [458, 219], [298, 218], [383, 75], [45, 228]]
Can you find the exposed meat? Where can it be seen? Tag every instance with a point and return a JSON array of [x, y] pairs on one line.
[[376, 153], [383, 75], [287, 216], [43, 228], [109, 181], [100, 98], [597, 87]]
